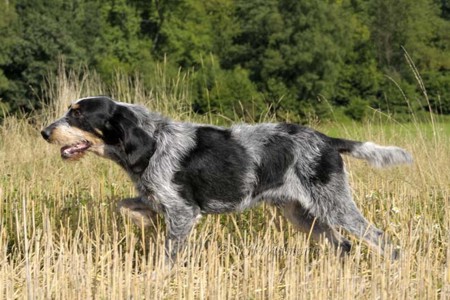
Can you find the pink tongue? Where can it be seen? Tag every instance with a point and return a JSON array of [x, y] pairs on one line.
[[69, 151]]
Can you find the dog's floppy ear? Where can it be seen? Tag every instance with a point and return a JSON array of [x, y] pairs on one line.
[[139, 148], [137, 144]]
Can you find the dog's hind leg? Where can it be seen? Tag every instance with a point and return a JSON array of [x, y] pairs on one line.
[[346, 215], [354, 222], [296, 214]]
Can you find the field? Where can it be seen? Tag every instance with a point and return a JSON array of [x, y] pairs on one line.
[[62, 238]]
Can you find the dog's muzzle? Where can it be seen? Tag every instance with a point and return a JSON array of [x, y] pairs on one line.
[[47, 132]]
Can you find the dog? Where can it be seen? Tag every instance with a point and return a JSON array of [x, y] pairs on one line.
[[185, 170]]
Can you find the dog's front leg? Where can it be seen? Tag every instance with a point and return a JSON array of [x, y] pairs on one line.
[[138, 210], [179, 222]]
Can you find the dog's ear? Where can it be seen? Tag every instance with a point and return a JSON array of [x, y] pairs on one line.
[[137, 144], [139, 148]]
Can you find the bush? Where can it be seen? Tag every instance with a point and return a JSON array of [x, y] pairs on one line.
[[357, 109]]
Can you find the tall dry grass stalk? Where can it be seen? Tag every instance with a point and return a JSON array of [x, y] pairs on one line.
[[61, 237]]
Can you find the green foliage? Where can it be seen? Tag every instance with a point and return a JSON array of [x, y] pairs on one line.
[[119, 47], [357, 109], [226, 92], [438, 91], [186, 33], [43, 34], [416, 27], [295, 58], [294, 50], [8, 23]]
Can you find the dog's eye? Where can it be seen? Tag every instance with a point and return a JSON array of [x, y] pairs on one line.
[[76, 113]]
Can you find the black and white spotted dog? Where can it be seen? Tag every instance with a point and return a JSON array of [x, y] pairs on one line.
[[184, 170]]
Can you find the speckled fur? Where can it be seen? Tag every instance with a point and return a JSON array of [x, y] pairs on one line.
[[197, 169]]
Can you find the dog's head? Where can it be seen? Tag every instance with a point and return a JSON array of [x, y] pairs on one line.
[[105, 127]]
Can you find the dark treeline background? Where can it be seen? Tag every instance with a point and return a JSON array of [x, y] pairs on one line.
[[298, 56]]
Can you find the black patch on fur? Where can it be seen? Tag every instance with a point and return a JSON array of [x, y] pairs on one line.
[[118, 125], [290, 128], [277, 155], [329, 162], [346, 246], [343, 145], [212, 174], [139, 147], [91, 114], [137, 144]]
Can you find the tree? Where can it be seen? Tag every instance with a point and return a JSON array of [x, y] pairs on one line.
[[119, 46], [8, 33], [414, 27], [282, 54], [226, 92], [42, 36], [294, 50]]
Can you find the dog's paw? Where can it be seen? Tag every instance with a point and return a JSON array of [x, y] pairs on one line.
[[139, 213]]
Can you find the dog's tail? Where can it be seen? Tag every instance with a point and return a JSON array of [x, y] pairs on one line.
[[378, 156]]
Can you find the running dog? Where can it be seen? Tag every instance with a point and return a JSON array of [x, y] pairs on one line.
[[185, 170]]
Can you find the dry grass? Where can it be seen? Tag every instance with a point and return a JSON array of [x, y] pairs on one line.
[[61, 238]]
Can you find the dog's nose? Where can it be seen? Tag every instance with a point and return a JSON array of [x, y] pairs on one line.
[[46, 132]]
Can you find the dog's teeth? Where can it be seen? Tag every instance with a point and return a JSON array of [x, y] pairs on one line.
[[74, 150]]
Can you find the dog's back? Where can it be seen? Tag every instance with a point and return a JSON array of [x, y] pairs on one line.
[[184, 170]]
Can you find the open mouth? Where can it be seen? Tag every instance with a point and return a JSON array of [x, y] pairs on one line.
[[75, 151]]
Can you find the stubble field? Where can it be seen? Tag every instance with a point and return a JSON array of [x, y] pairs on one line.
[[62, 238]]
